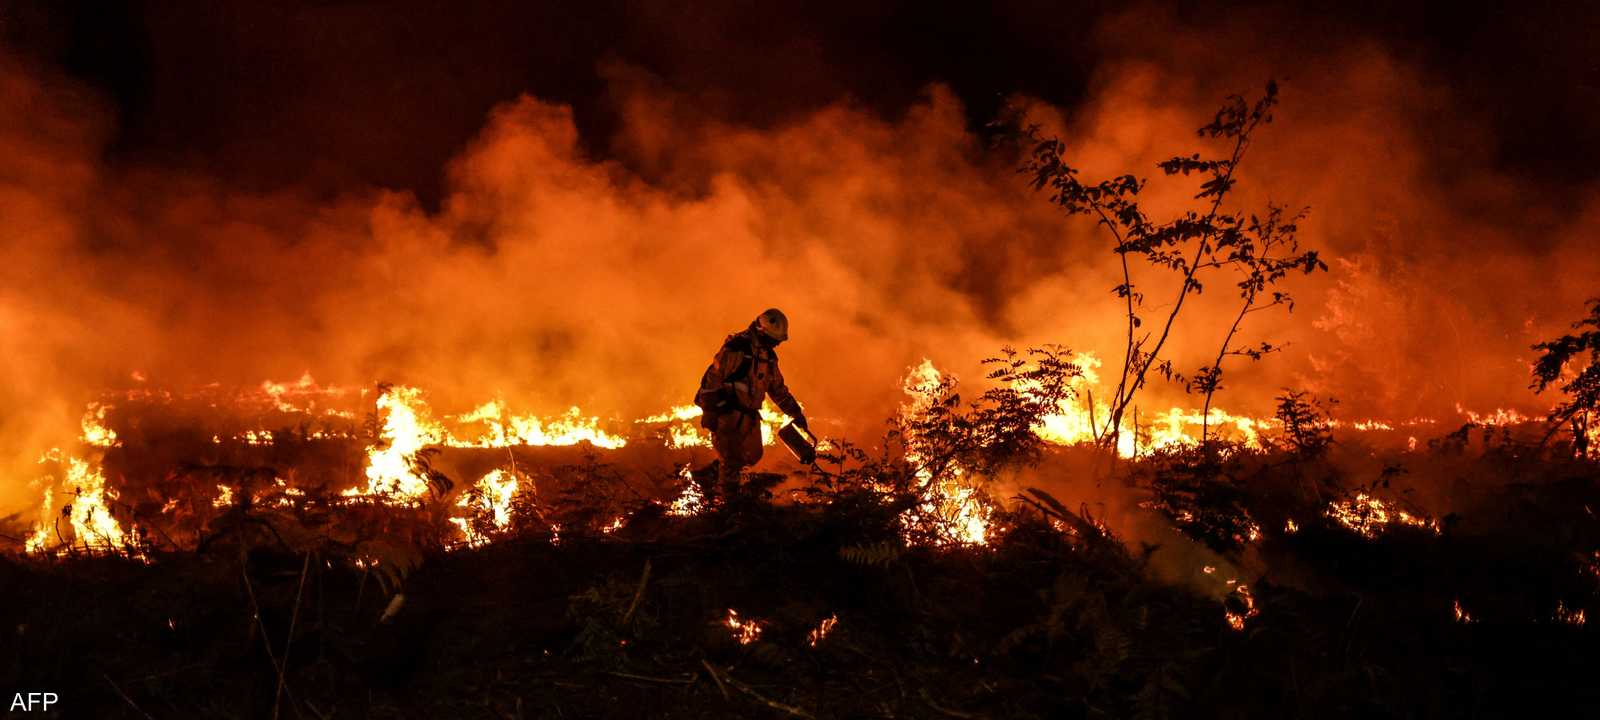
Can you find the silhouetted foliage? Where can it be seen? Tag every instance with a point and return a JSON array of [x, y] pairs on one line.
[[1259, 249], [1563, 361], [1307, 429]]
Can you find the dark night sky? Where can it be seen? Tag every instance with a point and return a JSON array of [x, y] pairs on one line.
[[334, 96]]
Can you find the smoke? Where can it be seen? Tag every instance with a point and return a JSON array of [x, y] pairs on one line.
[[555, 276]]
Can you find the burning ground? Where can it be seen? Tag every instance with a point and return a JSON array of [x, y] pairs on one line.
[[467, 488], [306, 550]]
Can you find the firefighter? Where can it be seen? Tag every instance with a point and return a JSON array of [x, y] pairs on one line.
[[744, 372]]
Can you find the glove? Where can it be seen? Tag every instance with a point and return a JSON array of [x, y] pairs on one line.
[[800, 420]]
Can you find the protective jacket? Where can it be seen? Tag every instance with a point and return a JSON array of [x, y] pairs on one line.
[[743, 372]]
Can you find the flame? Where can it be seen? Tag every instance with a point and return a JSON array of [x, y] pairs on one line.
[[1077, 420], [93, 527], [95, 431], [391, 461], [691, 501], [224, 497], [492, 498], [501, 429], [41, 532], [256, 437], [821, 631], [1461, 615], [744, 631], [1367, 516], [683, 429], [964, 513], [286, 493], [1499, 416], [279, 393], [954, 500], [1074, 423], [958, 508]]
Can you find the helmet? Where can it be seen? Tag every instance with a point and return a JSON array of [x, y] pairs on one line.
[[773, 324]]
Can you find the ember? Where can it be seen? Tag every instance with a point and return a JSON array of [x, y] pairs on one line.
[[691, 501], [744, 631], [1246, 608], [821, 631]]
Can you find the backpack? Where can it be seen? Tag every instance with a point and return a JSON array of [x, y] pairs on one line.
[[713, 401]]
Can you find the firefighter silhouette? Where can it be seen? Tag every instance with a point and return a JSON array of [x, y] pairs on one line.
[[743, 372]]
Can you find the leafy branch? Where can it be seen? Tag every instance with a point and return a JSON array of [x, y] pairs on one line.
[[1260, 248]]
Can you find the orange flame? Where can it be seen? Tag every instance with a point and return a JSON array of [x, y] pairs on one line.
[[1367, 516], [821, 631]]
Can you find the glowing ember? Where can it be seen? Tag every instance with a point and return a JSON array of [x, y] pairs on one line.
[[1248, 602], [256, 437], [744, 631], [1367, 516], [1461, 615], [1570, 617], [821, 631], [1291, 527], [224, 497]]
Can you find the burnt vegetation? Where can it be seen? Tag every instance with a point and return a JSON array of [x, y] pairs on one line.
[[1304, 575]]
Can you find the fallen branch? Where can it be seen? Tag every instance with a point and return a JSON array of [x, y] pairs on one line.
[[255, 612], [746, 689], [125, 697], [927, 698], [716, 678], [647, 678], [638, 594]]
